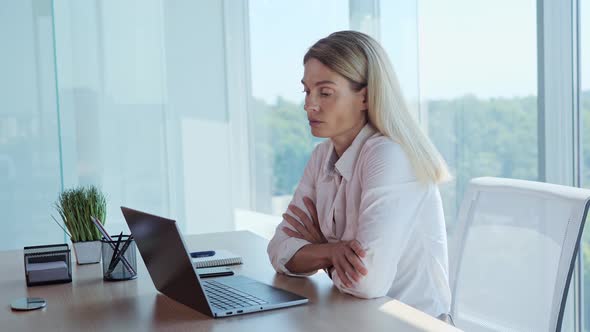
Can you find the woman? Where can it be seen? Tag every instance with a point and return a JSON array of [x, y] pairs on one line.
[[367, 209]]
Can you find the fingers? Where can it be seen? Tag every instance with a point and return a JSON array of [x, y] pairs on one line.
[[312, 209], [337, 257], [292, 233], [314, 216], [298, 226], [357, 248], [348, 267], [341, 270], [356, 263], [347, 262], [302, 216], [309, 225], [347, 272]]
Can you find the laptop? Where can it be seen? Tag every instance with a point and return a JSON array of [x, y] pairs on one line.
[[170, 266]]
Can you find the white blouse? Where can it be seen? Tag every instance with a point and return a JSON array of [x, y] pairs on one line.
[[371, 194]]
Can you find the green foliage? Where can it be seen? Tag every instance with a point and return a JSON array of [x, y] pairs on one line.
[[283, 139], [483, 137], [76, 206]]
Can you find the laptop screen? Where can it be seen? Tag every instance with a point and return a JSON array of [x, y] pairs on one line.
[[168, 261]]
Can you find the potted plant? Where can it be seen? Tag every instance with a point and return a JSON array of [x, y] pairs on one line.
[[76, 206]]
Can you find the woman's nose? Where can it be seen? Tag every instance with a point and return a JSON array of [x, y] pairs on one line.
[[310, 105]]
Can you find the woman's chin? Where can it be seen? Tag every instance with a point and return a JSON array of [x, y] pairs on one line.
[[318, 133]]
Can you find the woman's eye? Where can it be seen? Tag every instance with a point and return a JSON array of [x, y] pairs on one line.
[[325, 92], [306, 92]]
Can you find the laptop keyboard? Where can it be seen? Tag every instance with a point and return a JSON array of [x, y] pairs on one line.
[[225, 297]]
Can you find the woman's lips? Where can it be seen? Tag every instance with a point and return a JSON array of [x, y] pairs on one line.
[[315, 123]]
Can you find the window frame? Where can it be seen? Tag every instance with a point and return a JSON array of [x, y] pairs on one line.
[[559, 115]]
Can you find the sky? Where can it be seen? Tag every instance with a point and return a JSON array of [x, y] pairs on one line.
[[440, 49], [280, 33]]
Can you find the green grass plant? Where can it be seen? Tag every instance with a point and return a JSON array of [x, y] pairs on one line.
[[76, 206]]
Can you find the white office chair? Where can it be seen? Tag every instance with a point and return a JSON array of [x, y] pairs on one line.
[[512, 256]]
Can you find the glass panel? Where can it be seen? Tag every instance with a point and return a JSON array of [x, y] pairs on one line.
[[399, 37], [279, 128], [104, 89], [144, 108], [478, 84], [585, 146], [29, 148]]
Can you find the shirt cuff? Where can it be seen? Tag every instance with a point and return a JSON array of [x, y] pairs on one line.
[[289, 248]]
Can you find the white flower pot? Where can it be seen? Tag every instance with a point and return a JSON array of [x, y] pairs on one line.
[[87, 252]]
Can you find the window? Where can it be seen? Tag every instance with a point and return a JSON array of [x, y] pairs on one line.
[[399, 38], [29, 147], [478, 83], [144, 108], [79, 75], [127, 96], [279, 128], [584, 57], [476, 99]]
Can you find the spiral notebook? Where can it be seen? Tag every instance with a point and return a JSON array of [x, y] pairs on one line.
[[221, 258]]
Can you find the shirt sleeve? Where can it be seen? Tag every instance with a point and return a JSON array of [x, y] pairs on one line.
[[391, 201], [282, 247]]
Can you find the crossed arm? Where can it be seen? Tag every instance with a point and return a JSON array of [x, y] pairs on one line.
[[390, 206], [344, 257]]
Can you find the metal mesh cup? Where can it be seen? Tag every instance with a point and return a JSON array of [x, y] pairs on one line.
[[119, 262]]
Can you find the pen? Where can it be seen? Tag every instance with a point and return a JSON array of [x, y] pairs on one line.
[[115, 251], [199, 254], [121, 253], [109, 241]]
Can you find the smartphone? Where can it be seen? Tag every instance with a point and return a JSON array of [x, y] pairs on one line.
[[208, 272]]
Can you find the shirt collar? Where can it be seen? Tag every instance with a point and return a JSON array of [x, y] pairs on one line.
[[345, 164]]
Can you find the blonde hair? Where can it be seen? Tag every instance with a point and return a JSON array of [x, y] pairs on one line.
[[361, 60]]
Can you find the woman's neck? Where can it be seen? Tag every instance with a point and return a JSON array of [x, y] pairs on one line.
[[343, 141]]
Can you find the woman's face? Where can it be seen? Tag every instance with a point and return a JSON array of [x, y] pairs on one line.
[[333, 109]]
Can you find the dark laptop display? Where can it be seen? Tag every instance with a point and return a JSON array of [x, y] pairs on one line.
[[170, 266]]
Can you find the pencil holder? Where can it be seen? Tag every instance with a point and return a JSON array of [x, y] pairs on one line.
[[119, 261]]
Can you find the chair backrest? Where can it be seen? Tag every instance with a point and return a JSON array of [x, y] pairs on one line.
[[512, 254]]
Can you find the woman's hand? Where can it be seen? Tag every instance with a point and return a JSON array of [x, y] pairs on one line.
[[346, 259], [307, 229]]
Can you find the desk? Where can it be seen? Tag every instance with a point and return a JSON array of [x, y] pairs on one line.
[[89, 304]]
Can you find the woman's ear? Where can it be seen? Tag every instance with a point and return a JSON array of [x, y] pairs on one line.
[[363, 95]]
